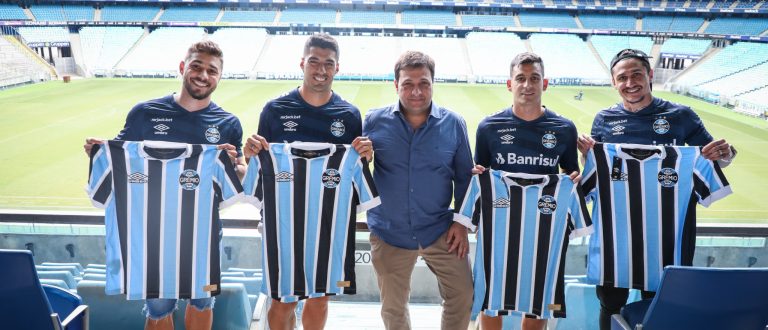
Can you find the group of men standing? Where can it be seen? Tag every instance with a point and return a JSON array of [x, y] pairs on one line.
[[422, 160]]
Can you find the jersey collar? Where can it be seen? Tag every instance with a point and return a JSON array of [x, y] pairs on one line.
[[508, 176], [164, 145], [309, 146], [661, 154]]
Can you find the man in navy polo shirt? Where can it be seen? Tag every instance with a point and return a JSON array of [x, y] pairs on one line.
[[641, 118], [423, 160], [310, 113], [188, 116]]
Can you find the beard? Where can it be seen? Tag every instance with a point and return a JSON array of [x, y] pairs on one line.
[[190, 88]]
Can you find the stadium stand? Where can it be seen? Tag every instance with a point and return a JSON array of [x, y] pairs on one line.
[[739, 82], [698, 4], [281, 59], [44, 12], [78, 12], [11, 12], [190, 14], [567, 56], [744, 26], [487, 20], [450, 61], [608, 22], [17, 64], [308, 15], [428, 17], [747, 4], [685, 46], [547, 19], [672, 23], [260, 16], [103, 47], [368, 17], [146, 60], [128, 13], [653, 3], [241, 47], [44, 34], [759, 96], [365, 57], [608, 46], [493, 66], [722, 64]]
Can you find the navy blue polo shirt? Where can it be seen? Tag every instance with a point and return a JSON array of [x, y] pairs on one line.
[[540, 146], [660, 123], [289, 118], [163, 119]]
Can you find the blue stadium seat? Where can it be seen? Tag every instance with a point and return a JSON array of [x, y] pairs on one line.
[[252, 286], [94, 277], [582, 308], [23, 300], [76, 264], [63, 275], [233, 274], [113, 311], [72, 269], [65, 302], [702, 298], [56, 283], [102, 266]]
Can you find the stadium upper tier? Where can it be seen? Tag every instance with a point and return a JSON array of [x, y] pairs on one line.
[[685, 46], [428, 17], [241, 47], [742, 26], [129, 14], [260, 16], [103, 47], [488, 20], [550, 20], [608, 22], [368, 17], [190, 14], [672, 23], [608, 46], [308, 15], [732, 59], [11, 12]]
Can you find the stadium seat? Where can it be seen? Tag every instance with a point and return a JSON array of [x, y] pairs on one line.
[[24, 303], [96, 266], [71, 269], [233, 274], [65, 302], [76, 264], [582, 308], [63, 275], [252, 286], [95, 271], [95, 277], [702, 298], [56, 283], [245, 270], [113, 311]]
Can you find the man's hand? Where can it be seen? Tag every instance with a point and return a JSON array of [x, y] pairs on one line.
[[89, 142], [457, 240], [717, 150], [238, 162], [254, 145], [585, 142], [364, 147], [575, 176], [478, 169]]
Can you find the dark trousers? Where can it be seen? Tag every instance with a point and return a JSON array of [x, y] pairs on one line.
[[612, 300]]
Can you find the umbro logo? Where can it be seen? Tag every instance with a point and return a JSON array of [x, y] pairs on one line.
[[137, 177], [501, 203], [161, 127], [290, 126], [284, 177], [507, 139], [618, 130]]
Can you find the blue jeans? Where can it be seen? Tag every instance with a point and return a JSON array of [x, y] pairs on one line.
[[157, 309]]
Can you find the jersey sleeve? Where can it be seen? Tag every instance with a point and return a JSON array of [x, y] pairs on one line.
[[265, 120], [226, 177], [579, 219], [709, 182], [698, 134], [368, 196], [252, 185], [465, 212], [597, 128], [482, 149], [99, 186], [589, 176], [570, 160]]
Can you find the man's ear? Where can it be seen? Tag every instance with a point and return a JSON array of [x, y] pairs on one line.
[[509, 85], [546, 83], [181, 67]]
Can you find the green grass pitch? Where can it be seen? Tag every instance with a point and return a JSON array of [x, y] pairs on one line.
[[44, 127]]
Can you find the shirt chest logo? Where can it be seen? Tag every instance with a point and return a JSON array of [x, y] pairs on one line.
[[501, 203], [284, 177], [337, 128], [331, 178], [507, 139], [160, 129], [549, 140], [138, 177], [547, 204], [212, 134], [189, 180], [661, 126], [668, 177], [290, 126]]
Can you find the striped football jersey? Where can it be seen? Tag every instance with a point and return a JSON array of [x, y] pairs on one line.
[[309, 195], [162, 202]]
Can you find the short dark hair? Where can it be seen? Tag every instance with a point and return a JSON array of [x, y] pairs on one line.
[[414, 59], [322, 40], [206, 47], [631, 53], [526, 58]]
